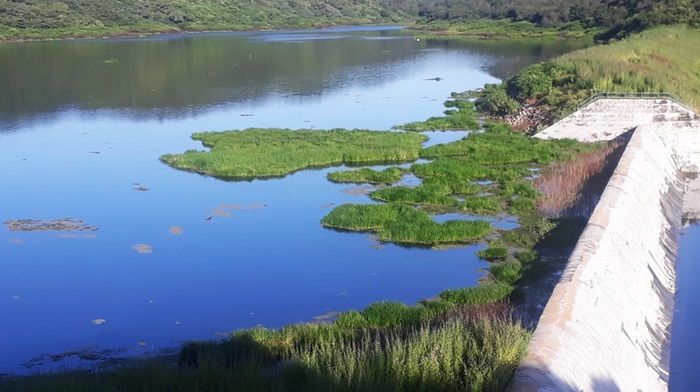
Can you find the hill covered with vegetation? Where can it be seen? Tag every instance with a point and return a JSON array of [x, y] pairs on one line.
[[60, 18], [663, 59], [67, 18], [613, 18]]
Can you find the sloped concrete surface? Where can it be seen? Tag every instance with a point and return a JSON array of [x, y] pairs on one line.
[[606, 326], [605, 119]]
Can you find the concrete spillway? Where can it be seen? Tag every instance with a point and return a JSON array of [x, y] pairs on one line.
[[607, 324]]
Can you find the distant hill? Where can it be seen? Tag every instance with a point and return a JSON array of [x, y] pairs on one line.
[[62, 18], [616, 18], [46, 18]]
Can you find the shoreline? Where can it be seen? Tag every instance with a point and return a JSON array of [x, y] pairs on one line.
[[421, 29], [127, 32]]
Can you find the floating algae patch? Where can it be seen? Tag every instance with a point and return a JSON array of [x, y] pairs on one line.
[[66, 224], [225, 210], [143, 248], [176, 230]]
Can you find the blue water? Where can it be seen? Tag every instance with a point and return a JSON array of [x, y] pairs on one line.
[[83, 122], [685, 340]]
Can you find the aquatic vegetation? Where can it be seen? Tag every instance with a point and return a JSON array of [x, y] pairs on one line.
[[368, 176], [527, 256], [460, 115], [499, 145], [508, 272], [433, 195], [481, 205], [404, 224], [391, 314], [66, 224], [176, 230], [484, 293], [142, 248], [465, 350], [260, 153], [495, 252]]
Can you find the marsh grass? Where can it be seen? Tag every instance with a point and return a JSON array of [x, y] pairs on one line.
[[368, 176], [484, 293], [460, 115], [508, 272], [261, 153], [495, 252], [426, 195], [481, 205], [404, 224], [387, 348], [527, 256], [499, 145]]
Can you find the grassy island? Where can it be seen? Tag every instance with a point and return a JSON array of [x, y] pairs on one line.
[[261, 153], [404, 224]]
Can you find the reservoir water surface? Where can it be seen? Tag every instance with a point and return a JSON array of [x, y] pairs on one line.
[[181, 256]]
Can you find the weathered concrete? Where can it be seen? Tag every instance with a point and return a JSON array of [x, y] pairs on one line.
[[605, 119], [606, 326]]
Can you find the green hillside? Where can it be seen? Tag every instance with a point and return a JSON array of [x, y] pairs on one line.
[[20, 19], [66, 18]]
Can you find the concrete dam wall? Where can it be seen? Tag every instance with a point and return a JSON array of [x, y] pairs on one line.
[[607, 118], [607, 324]]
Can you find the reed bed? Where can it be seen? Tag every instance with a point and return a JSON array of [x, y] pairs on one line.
[[561, 184]]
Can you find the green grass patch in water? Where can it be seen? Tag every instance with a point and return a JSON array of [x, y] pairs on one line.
[[261, 153], [404, 224], [495, 252], [367, 176], [484, 293], [460, 115]]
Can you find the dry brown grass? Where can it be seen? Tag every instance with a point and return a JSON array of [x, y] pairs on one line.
[[565, 187]]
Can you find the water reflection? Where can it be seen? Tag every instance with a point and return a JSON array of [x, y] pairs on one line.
[[175, 76]]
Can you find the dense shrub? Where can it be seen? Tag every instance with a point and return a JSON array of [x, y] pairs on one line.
[[494, 99]]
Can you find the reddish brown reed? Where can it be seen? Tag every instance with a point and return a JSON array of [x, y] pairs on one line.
[[572, 188]]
